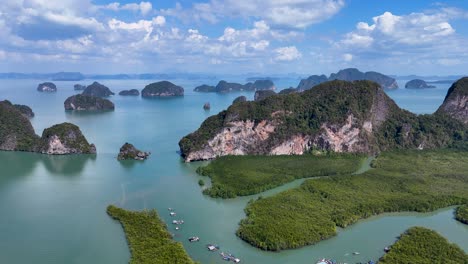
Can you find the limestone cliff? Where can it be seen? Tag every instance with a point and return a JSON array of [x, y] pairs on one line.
[[456, 101], [335, 116], [65, 138], [128, 151]]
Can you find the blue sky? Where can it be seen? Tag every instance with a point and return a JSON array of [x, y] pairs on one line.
[[234, 36]]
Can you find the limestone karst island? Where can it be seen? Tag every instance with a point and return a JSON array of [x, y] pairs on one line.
[[221, 131]]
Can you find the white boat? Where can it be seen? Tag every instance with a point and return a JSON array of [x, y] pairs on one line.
[[172, 213], [194, 239]]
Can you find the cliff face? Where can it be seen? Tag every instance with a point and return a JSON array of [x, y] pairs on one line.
[[456, 101], [17, 134], [81, 102], [335, 116], [65, 138], [128, 151]]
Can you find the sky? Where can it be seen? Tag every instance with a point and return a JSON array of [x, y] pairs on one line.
[[234, 36]]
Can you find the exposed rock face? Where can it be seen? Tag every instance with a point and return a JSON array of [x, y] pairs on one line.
[[289, 90], [263, 85], [128, 151], [205, 88], [262, 94], [335, 116], [81, 102], [207, 106], [79, 87], [240, 99], [310, 82], [98, 90], [47, 87], [456, 101], [25, 110], [162, 89], [65, 138], [132, 92], [352, 74], [17, 134], [417, 84]]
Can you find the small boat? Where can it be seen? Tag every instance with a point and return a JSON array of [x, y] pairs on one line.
[[170, 209], [194, 239], [177, 222], [386, 249], [356, 253], [176, 228], [212, 247], [326, 261], [172, 213]]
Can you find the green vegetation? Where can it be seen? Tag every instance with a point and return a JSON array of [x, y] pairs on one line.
[[71, 137], [461, 214], [233, 176], [87, 102], [148, 238], [421, 246], [16, 131], [332, 103], [419, 181], [201, 182], [163, 88]]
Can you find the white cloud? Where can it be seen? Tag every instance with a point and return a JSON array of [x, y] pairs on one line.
[[347, 57], [143, 7], [279, 13], [287, 53]]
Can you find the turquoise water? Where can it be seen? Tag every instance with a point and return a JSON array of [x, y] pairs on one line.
[[53, 208]]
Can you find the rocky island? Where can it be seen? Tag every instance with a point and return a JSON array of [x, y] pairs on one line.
[[226, 87], [363, 120], [207, 106], [162, 89], [311, 81], [418, 84], [81, 102], [47, 87], [262, 94], [352, 74], [132, 92], [98, 90], [128, 151], [17, 134], [79, 87]]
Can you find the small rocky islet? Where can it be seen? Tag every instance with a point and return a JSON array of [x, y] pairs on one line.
[[129, 152], [48, 87], [98, 90], [17, 134], [418, 84], [162, 89], [226, 87], [131, 92]]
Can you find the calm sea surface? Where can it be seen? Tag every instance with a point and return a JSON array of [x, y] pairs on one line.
[[53, 207]]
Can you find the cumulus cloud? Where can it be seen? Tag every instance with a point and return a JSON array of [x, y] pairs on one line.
[[287, 54], [143, 7], [280, 13]]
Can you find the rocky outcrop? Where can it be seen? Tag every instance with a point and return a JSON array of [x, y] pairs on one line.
[[25, 110], [79, 87], [306, 84], [205, 88], [132, 92], [336, 116], [207, 106], [418, 84], [65, 138], [352, 74], [47, 87], [17, 134], [456, 101], [162, 89], [226, 87], [262, 94], [240, 99], [98, 90], [16, 131], [263, 85], [81, 102], [129, 152]]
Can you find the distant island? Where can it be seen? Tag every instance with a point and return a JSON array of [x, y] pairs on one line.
[[79, 87], [162, 89], [47, 87], [226, 87], [418, 84], [17, 134], [98, 90], [129, 152], [132, 92]]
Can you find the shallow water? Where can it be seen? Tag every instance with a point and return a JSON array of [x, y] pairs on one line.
[[53, 208]]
